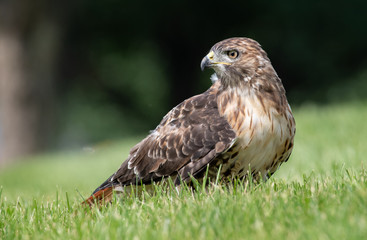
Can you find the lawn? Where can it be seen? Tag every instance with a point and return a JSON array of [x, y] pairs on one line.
[[320, 193]]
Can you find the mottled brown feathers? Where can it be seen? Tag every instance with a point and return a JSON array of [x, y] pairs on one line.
[[191, 135], [241, 125]]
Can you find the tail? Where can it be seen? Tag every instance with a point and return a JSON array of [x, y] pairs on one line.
[[100, 197]]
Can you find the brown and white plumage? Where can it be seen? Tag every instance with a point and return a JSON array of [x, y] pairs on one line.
[[241, 125]]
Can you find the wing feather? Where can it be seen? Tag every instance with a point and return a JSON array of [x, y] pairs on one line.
[[188, 138]]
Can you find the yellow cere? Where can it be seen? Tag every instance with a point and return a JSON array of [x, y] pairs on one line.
[[210, 55]]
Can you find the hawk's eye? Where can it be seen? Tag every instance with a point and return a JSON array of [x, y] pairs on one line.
[[232, 54]]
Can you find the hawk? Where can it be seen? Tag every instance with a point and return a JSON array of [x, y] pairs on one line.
[[241, 126]]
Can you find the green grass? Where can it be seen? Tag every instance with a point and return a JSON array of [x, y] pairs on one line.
[[321, 193]]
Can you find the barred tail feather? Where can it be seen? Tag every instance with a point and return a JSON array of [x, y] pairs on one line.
[[100, 197]]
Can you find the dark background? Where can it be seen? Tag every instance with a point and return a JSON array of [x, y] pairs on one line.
[[75, 73]]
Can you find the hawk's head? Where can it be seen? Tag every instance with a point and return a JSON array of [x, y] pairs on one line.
[[237, 60]]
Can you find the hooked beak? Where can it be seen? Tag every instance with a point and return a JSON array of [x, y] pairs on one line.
[[208, 61], [205, 63]]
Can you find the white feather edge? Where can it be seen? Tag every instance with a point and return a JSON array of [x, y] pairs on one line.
[[214, 77]]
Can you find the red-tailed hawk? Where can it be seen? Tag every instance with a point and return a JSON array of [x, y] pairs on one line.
[[241, 125]]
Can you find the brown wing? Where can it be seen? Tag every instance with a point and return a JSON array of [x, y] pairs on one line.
[[189, 137]]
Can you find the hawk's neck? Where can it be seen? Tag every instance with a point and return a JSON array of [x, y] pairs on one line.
[[257, 98]]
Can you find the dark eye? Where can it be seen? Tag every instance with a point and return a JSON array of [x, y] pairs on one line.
[[232, 54]]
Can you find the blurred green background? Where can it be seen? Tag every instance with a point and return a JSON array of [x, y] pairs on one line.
[[78, 73]]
